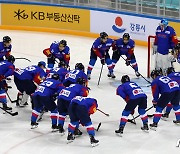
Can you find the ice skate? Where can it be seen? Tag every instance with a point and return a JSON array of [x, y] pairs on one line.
[[93, 141], [70, 137], [54, 128], [77, 132], [176, 122], [5, 107], [111, 74], [153, 126], [34, 125], [165, 116], [61, 130], [145, 128], [119, 132]]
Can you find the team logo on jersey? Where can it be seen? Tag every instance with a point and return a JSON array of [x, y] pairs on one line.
[[117, 27]]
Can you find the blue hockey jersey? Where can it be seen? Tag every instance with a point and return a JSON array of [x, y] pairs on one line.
[[4, 51], [6, 68], [59, 70], [165, 40], [33, 72], [125, 49], [163, 84], [175, 76], [90, 103], [73, 75], [64, 54], [73, 90], [49, 87], [130, 90], [100, 48]]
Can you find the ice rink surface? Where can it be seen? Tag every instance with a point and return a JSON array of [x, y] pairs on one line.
[[16, 137]]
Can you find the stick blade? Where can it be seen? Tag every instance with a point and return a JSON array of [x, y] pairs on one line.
[[14, 114]]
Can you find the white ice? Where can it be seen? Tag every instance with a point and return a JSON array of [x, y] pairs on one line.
[[16, 137]]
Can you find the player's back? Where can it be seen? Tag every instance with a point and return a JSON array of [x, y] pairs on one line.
[[29, 73], [165, 84], [73, 75], [130, 90], [5, 66], [59, 70], [48, 87], [73, 90], [85, 101], [175, 76]]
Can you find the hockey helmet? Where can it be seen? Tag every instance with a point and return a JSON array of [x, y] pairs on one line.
[[62, 43], [11, 59], [42, 63], [55, 76], [126, 36], [170, 70], [156, 73], [103, 35], [125, 78], [6, 39], [79, 66], [164, 22], [81, 81]]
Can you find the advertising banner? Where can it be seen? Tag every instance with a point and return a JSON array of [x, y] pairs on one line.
[[114, 24], [176, 26], [45, 16]]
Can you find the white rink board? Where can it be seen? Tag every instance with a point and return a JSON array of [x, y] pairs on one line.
[[103, 21]]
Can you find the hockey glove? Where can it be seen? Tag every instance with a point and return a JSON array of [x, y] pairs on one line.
[[103, 61], [128, 62], [154, 104]]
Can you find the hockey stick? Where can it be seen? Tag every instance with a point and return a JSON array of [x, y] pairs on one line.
[[139, 73], [41, 115], [106, 114], [100, 75], [11, 113], [24, 59], [99, 125], [132, 120]]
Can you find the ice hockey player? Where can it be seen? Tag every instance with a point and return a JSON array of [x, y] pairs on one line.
[[176, 77], [26, 80], [6, 69], [169, 91], [134, 96], [73, 75], [65, 97], [100, 48], [125, 46], [80, 109], [176, 53], [58, 50], [44, 97], [165, 39], [61, 70], [5, 48]]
